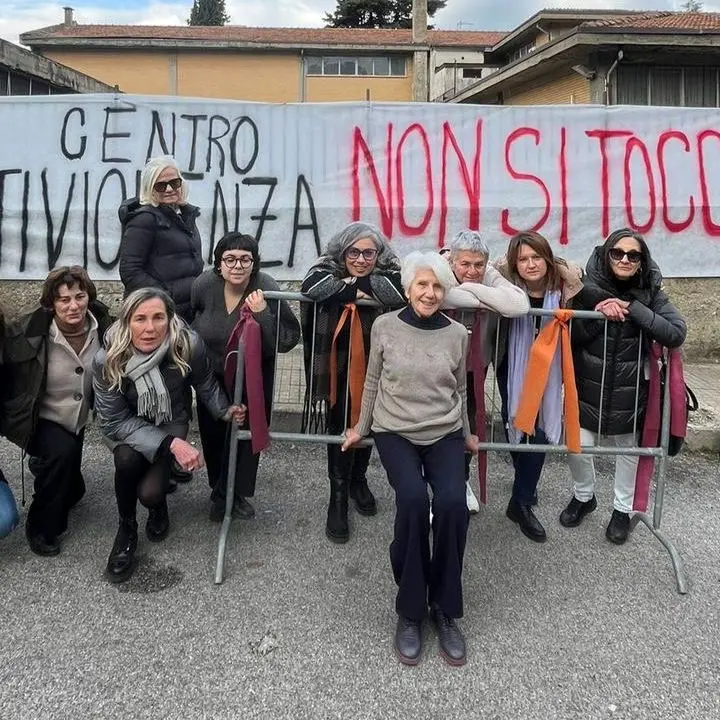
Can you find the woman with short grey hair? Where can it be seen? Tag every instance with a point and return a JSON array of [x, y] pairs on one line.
[[357, 263], [414, 403], [470, 240], [160, 245]]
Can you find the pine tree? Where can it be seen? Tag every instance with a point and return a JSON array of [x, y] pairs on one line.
[[208, 12], [692, 6], [376, 13]]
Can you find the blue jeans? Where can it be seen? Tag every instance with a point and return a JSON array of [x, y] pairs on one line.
[[528, 466], [8, 508]]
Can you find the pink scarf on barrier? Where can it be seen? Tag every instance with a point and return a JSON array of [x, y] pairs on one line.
[[653, 415], [248, 331]]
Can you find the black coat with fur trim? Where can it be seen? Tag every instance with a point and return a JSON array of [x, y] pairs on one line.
[[651, 317]]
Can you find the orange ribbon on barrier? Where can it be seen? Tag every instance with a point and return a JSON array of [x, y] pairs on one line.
[[541, 356], [356, 361]]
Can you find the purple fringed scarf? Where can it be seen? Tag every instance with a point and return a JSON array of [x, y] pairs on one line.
[[522, 336]]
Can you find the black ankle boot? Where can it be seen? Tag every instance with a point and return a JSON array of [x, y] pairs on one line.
[[337, 529], [362, 496], [158, 522], [359, 491], [619, 527], [121, 562]]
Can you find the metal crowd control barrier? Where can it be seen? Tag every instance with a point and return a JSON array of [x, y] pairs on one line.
[[652, 522]]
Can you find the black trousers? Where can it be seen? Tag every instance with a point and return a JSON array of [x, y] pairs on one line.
[[55, 459], [353, 464], [424, 579], [215, 439], [136, 478], [528, 466]]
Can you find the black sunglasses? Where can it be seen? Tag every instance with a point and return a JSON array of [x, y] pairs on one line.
[[162, 186], [633, 256]]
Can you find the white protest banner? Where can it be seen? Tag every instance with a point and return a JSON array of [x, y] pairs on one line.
[[292, 175]]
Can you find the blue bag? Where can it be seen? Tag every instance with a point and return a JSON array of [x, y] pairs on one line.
[[9, 517]]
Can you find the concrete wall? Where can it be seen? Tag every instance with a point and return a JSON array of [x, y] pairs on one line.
[[563, 90], [696, 299]]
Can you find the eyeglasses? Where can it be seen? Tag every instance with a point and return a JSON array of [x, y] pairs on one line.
[[368, 255], [633, 256], [231, 261], [162, 186]]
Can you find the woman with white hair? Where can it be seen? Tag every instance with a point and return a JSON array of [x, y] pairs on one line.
[[358, 263], [414, 402], [142, 387], [160, 245]]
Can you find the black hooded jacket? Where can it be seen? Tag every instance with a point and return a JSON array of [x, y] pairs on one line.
[[651, 317], [160, 248]]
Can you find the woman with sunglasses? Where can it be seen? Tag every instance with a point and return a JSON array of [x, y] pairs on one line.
[[160, 245], [624, 284], [218, 299], [358, 263]]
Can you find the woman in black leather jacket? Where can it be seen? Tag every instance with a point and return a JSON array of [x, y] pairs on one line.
[[624, 284]]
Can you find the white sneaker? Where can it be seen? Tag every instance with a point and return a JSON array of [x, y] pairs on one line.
[[472, 504]]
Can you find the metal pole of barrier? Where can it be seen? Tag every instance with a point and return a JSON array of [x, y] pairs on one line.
[[232, 468], [637, 385], [602, 381], [654, 524], [278, 309], [495, 379]]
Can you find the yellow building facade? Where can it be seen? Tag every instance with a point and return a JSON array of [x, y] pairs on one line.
[[254, 64]]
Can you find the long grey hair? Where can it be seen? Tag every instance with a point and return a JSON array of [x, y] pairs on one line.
[[334, 255], [120, 349]]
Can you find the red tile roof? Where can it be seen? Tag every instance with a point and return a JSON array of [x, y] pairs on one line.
[[660, 22], [262, 35]]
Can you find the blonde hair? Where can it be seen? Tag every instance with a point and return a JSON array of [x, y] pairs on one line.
[[120, 349], [149, 177]]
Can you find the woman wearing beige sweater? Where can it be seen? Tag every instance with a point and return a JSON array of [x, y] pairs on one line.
[[414, 401]]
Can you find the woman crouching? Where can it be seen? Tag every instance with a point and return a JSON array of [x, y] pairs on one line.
[[414, 401], [142, 382]]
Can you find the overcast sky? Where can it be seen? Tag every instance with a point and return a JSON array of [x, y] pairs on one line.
[[23, 15]]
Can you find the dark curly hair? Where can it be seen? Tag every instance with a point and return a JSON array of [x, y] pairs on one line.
[[69, 275]]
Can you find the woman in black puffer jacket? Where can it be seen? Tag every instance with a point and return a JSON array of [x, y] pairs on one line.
[[160, 244], [624, 284]]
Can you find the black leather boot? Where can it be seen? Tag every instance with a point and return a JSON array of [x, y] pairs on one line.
[[525, 518], [336, 528], [158, 522], [339, 467], [121, 562], [359, 491]]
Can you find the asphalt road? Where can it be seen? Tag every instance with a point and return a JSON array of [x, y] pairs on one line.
[[575, 628]]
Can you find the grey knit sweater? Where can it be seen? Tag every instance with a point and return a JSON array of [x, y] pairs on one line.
[[415, 381]]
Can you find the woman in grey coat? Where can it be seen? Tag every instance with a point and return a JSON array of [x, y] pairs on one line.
[[142, 382], [358, 263]]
